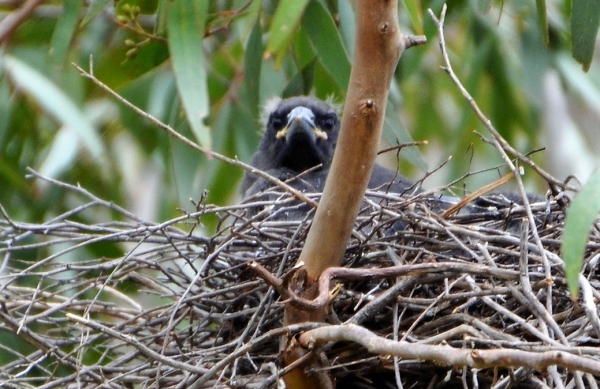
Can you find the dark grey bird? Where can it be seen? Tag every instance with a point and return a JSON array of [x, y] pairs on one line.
[[299, 141], [298, 144]]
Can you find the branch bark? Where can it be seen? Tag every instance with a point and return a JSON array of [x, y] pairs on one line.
[[379, 45], [323, 294], [446, 355]]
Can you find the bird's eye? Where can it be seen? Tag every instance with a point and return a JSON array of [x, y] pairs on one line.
[[277, 123], [327, 123]]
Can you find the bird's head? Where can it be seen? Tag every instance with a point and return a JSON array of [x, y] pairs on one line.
[[301, 133]]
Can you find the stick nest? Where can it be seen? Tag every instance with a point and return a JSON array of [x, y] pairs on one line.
[[129, 303]]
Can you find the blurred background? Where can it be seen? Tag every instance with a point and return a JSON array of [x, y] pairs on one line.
[[206, 67]]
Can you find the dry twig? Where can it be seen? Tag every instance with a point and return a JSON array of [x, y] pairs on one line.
[[179, 309]]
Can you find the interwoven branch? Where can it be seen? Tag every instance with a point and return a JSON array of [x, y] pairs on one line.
[[471, 283]]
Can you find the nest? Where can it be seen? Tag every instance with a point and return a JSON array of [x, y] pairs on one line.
[[182, 310]]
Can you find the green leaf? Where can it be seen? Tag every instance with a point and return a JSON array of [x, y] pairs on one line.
[[272, 81], [585, 16], [64, 30], [304, 51], [347, 26], [484, 6], [302, 82], [93, 10], [227, 124], [252, 67], [543, 20], [284, 25], [580, 83], [324, 35], [186, 24], [162, 12], [55, 102], [62, 153], [161, 95], [582, 214], [5, 109], [415, 13]]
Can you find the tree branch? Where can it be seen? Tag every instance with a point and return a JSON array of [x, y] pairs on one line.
[[444, 354], [11, 22], [379, 45], [346, 274]]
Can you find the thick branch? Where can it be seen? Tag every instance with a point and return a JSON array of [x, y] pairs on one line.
[[379, 44], [443, 354], [323, 293]]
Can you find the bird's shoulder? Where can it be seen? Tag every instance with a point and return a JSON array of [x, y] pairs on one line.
[[388, 180]]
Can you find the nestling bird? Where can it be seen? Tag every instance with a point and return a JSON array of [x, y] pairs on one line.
[[301, 134], [298, 145]]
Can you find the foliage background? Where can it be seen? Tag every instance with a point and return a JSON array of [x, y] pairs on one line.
[[58, 123]]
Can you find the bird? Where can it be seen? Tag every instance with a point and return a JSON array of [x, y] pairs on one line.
[[298, 144]]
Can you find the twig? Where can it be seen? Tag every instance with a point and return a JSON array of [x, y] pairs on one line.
[[273, 334], [232, 15], [202, 304], [11, 22], [499, 142], [536, 307], [134, 343], [478, 193], [209, 153], [402, 145], [376, 273]]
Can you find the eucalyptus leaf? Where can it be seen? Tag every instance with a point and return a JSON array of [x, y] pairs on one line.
[[543, 20], [415, 13], [585, 16], [284, 25], [96, 6], [252, 66], [55, 102], [64, 30], [347, 26], [186, 25], [327, 41], [581, 216], [5, 109], [301, 83], [62, 153]]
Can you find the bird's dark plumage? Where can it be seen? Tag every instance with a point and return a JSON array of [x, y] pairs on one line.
[[301, 133], [298, 144]]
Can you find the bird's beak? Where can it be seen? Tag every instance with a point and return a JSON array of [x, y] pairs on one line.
[[301, 120]]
